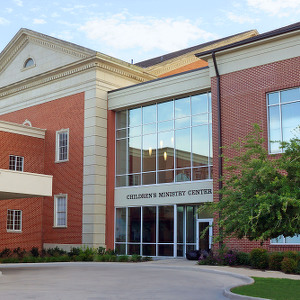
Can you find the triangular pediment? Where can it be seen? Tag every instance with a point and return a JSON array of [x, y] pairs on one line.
[[47, 53]]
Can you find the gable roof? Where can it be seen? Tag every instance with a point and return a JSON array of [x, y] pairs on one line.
[[158, 60]]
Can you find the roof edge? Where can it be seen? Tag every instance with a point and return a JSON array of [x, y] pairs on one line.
[[260, 37]]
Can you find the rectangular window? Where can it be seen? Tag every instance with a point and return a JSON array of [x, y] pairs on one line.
[[16, 163], [165, 142], [62, 145], [283, 116], [290, 240], [60, 211], [14, 220]]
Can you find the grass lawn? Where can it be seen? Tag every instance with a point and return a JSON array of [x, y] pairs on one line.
[[271, 288]]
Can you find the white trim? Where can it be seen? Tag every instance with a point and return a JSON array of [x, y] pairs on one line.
[[210, 231], [14, 230], [57, 160], [55, 211]]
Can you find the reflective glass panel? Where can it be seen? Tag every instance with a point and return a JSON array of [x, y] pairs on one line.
[[190, 224], [121, 156], [134, 179], [199, 104], [290, 120], [121, 117], [166, 150], [149, 250], [200, 145], [134, 162], [183, 147], [134, 224], [166, 224], [133, 249], [149, 178], [166, 125], [121, 224], [149, 224], [183, 175], [199, 119], [293, 240], [149, 128], [274, 129], [180, 224], [273, 98], [165, 176], [120, 248], [165, 111], [149, 152], [149, 114], [182, 107], [182, 122], [135, 117], [134, 131], [200, 173], [290, 95], [165, 250]]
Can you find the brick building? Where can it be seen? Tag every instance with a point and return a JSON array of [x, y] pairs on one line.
[[133, 149]]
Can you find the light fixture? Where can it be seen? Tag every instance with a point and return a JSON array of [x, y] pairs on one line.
[[165, 155], [150, 151], [161, 143]]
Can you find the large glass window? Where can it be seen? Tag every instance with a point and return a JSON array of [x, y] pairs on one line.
[[155, 230], [283, 116], [165, 142]]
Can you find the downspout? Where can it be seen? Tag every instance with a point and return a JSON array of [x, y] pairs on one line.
[[220, 152]]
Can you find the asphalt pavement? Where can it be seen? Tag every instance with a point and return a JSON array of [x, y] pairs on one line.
[[160, 279]]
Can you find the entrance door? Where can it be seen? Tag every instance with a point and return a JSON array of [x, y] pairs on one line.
[[204, 243]]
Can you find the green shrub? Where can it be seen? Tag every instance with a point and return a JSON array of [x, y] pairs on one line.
[[87, 254], [35, 251], [259, 258], [275, 259], [74, 252], [288, 265], [243, 259], [292, 254], [136, 258], [147, 258], [101, 250], [10, 260], [297, 271], [20, 253], [6, 252], [123, 258], [55, 251]]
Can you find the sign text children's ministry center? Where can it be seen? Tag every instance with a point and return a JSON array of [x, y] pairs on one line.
[[169, 194]]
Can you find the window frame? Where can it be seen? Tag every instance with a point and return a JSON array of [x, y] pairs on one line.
[[280, 104], [16, 163], [123, 135], [56, 212], [26, 66], [14, 211], [58, 148]]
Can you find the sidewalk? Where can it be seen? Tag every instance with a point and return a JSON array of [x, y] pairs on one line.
[[235, 270]]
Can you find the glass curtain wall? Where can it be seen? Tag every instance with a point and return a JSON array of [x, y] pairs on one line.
[[155, 230], [165, 142]]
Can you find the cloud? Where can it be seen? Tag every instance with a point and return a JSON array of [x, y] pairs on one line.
[[241, 19], [3, 21], [18, 2], [39, 21], [124, 31], [279, 8]]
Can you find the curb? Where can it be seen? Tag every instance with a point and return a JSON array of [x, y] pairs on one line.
[[227, 293]]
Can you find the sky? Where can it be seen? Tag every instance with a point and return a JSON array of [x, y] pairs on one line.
[[140, 29]]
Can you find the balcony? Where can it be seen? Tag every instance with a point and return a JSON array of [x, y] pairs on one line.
[[15, 185]]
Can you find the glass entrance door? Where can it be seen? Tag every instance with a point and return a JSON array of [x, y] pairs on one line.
[[204, 243]]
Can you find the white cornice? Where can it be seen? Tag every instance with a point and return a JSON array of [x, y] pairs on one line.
[[22, 129], [74, 69]]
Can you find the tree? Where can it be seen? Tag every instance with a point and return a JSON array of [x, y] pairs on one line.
[[260, 194]]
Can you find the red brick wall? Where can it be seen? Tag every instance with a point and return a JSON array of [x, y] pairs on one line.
[[243, 103], [63, 113], [32, 149]]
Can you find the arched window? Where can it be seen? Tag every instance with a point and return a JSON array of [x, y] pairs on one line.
[[29, 63]]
